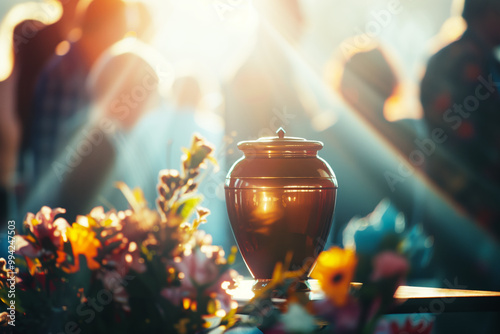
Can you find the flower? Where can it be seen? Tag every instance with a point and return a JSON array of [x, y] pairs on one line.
[[202, 268], [117, 232], [83, 242], [4, 318], [334, 270], [107, 226], [389, 265], [125, 259], [137, 225], [66, 267], [182, 325], [4, 273], [27, 248], [409, 328], [298, 320], [345, 319], [198, 268], [48, 232], [141, 220]]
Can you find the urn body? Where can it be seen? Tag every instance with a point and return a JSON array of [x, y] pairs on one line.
[[280, 198]]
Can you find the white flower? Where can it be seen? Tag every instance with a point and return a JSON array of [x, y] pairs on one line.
[[298, 320]]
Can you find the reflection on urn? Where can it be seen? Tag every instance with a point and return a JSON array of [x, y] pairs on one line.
[[280, 198]]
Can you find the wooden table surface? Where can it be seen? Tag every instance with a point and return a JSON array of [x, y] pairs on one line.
[[409, 299]]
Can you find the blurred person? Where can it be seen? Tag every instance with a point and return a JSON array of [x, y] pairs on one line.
[[370, 84], [119, 87], [262, 94], [122, 86], [368, 81], [19, 30], [33, 38], [187, 92], [125, 74], [60, 105], [9, 145], [460, 95]]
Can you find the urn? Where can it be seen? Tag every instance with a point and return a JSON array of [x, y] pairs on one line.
[[280, 198]]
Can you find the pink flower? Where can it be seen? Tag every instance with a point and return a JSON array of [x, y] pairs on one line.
[[26, 248], [126, 258], [48, 232], [44, 226], [345, 318], [389, 265], [410, 328], [202, 268], [198, 268]]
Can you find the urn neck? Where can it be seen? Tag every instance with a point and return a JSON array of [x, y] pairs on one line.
[[279, 153]]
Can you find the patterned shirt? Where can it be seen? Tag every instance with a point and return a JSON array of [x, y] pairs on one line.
[[59, 108], [460, 95]]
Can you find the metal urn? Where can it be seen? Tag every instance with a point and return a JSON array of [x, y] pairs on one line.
[[280, 198]]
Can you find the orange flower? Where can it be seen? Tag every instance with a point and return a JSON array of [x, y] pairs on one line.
[[83, 242], [334, 270]]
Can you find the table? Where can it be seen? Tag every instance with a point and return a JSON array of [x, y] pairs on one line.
[[409, 299]]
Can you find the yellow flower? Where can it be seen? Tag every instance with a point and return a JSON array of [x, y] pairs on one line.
[[334, 270], [181, 325], [83, 242]]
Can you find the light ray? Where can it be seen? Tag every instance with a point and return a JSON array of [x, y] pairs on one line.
[[46, 13]]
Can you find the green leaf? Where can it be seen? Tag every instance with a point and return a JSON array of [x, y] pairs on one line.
[[186, 206]]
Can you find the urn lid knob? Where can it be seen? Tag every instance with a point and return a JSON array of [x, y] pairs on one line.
[[281, 133]]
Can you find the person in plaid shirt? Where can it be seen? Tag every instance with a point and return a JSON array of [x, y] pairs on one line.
[[61, 102]]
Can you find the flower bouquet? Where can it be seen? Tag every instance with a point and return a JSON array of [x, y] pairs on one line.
[[153, 271], [138, 270]]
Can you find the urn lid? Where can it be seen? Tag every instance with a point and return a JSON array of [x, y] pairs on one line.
[[280, 144], [284, 162]]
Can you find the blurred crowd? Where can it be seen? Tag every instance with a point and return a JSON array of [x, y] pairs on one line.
[[90, 101]]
